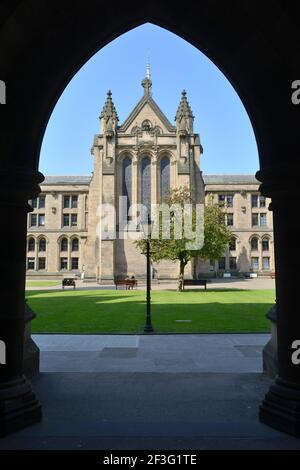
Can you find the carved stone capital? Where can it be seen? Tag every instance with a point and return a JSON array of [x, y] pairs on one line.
[[17, 188]]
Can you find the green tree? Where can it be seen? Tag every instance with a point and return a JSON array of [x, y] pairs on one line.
[[216, 234]]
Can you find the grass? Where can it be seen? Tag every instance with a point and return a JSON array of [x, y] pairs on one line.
[[121, 311], [42, 283]]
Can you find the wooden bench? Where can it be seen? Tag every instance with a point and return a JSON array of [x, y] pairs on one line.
[[68, 281], [195, 282], [128, 283]]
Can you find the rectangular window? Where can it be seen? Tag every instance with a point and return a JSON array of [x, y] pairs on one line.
[[230, 220], [229, 200], [66, 202], [73, 220], [262, 201], [41, 220], [74, 263], [30, 263], [33, 203], [222, 262], [263, 219], [66, 220], [42, 263], [42, 200], [254, 263], [33, 220], [266, 263], [74, 202], [221, 199], [254, 220], [254, 200], [63, 263], [232, 262]]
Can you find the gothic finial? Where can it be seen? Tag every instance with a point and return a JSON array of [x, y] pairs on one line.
[[109, 110], [147, 83], [184, 108]]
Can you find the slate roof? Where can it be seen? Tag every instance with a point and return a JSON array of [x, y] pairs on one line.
[[208, 179], [65, 180], [230, 179]]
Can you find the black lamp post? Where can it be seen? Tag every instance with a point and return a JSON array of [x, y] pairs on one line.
[[148, 325]]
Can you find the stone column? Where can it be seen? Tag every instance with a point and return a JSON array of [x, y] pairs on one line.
[[19, 406], [281, 406]]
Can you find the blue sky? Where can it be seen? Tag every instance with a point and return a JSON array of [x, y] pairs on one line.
[[220, 118]]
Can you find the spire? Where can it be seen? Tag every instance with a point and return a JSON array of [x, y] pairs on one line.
[[148, 75], [184, 109], [147, 83], [109, 110]]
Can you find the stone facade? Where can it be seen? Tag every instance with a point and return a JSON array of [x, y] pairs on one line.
[[142, 159]]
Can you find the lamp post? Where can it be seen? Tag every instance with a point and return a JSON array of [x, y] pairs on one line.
[[148, 325]]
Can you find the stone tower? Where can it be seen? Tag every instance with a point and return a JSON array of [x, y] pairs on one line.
[[141, 159]]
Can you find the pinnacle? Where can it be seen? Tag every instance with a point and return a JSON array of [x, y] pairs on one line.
[[109, 109], [184, 108]]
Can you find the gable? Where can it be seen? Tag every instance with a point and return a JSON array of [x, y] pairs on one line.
[[146, 109]]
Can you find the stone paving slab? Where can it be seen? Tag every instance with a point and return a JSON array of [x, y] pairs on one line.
[[153, 353], [150, 411]]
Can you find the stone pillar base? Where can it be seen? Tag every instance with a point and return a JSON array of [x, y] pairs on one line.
[[31, 357], [19, 406], [31, 362], [281, 408], [270, 354]]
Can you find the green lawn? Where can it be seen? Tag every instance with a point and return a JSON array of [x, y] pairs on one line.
[[121, 311], [42, 283]]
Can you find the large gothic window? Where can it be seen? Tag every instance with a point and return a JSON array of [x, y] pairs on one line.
[[146, 183], [164, 178], [127, 180]]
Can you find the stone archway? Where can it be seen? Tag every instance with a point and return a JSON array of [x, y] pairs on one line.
[[254, 45]]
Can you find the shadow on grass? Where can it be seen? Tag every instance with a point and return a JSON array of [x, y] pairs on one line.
[[210, 311]]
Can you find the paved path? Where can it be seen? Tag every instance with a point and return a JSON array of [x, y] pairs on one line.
[[180, 353], [259, 283], [150, 411], [150, 392]]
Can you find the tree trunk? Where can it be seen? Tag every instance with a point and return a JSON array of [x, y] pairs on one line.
[[181, 276]]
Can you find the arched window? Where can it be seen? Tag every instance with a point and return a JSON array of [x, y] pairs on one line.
[[31, 244], [232, 244], [42, 244], [64, 244], [75, 244], [164, 178], [146, 125], [265, 244], [127, 181], [146, 183], [254, 244]]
